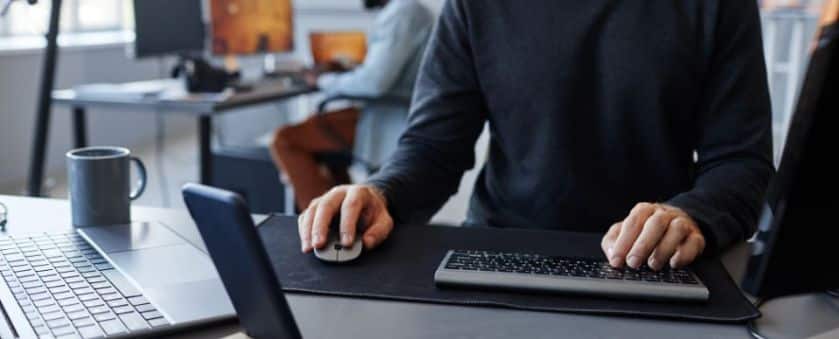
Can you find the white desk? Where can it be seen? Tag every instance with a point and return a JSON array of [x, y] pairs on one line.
[[335, 317]]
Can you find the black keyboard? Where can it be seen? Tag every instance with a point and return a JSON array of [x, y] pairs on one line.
[[566, 274], [67, 289]]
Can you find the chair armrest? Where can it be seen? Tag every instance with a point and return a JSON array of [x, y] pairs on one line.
[[322, 106]]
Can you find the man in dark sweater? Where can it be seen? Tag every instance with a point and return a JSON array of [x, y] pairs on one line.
[[648, 120]]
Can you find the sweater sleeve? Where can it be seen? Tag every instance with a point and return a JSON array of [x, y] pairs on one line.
[[447, 116], [734, 135], [396, 38]]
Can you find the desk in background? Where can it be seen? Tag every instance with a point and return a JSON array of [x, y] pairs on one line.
[[171, 101]]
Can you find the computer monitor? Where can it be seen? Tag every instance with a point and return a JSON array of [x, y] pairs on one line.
[[795, 249], [347, 48], [168, 27], [242, 27]]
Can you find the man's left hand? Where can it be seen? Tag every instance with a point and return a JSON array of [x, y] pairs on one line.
[[657, 234]]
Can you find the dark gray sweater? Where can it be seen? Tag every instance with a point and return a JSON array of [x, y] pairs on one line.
[[593, 106]]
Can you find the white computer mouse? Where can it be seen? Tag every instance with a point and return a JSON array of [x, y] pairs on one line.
[[336, 253]]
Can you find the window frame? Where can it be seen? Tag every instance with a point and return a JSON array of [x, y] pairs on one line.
[[72, 16]]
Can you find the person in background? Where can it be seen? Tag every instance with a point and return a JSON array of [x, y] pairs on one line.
[[396, 44], [648, 121]]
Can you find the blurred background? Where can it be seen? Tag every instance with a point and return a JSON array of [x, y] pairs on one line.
[[95, 47]]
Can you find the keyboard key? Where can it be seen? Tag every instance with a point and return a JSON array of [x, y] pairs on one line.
[[118, 303], [82, 291], [28, 279], [93, 303], [123, 309], [48, 309], [145, 308], [95, 279], [100, 285], [63, 295], [52, 253], [104, 316], [73, 308], [76, 315], [88, 297], [42, 330], [52, 315], [91, 274], [39, 296], [64, 269], [108, 290], [113, 327], [98, 309], [78, 285], [57, 323], [74, 280], [45, 302], [60, 332], [83, 322], [85, 269], [138, 300], [92, 331], [111, 297], [51, 278], [33, 284], [134, 321], [55, 283], [158, 322], [33, 316], [121, 283], [68, 302], [59, 289], [152, 315]]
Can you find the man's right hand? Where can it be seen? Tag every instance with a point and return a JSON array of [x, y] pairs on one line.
[[354, 202]]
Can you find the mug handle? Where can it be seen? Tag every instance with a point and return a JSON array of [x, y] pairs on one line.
[[141, 183]]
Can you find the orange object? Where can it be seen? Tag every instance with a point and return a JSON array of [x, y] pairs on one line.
[[346, 47], [251, 26], [830, 14]]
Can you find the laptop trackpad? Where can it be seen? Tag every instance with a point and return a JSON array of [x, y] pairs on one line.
[[139, 235], [151, 254]]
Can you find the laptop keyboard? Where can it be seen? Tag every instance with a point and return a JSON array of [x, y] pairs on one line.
[[486, 261], [67, 290]]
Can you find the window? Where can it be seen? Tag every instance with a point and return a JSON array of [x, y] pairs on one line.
[[76, 16], [789, 27]]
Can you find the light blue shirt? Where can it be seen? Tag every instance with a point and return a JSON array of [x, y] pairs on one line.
[[396, 44]]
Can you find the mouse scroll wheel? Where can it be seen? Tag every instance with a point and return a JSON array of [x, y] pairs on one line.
[[338, 247]]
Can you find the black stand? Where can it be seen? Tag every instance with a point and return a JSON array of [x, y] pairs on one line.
[[42, 118]]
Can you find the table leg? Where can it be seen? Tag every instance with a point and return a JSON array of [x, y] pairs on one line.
[[205, 131], [79, 127]]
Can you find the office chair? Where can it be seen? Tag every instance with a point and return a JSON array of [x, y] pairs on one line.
[[339, 161], [345, 158]]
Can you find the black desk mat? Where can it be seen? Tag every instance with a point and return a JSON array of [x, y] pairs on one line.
[[403, 269]]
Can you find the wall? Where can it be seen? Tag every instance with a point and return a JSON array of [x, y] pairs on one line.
[[19, 81]]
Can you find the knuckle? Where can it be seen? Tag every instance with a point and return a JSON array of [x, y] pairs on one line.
[[642, 245], [353, 201], [640, 207], [313, 204], [678, 226], [699, 240]]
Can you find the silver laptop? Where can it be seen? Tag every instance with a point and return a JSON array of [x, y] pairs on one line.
[[107, 282]]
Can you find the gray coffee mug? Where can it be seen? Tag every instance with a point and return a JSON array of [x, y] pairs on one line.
[[100, 184]]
